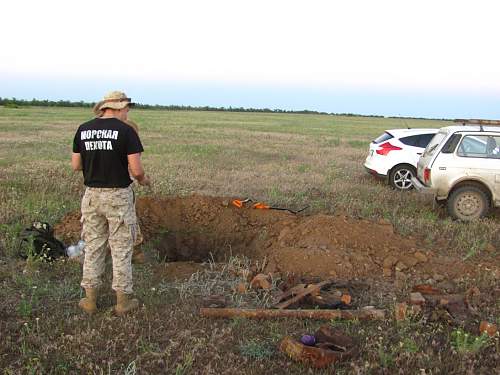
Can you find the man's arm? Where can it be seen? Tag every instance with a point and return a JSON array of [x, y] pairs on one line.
[[136, 169], [76, 161]]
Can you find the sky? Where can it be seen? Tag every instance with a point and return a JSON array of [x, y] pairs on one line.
[[437, 59]]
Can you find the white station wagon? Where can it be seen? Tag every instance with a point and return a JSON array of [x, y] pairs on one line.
[[393, 156], [461, 167]]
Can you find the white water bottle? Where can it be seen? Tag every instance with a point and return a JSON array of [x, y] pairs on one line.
[[71, 251], [75, 250], [81, 246]]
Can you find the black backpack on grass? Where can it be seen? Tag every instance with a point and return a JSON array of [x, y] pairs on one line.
[[39, 241]]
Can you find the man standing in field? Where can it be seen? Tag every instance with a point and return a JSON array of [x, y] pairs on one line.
[[105, 149]]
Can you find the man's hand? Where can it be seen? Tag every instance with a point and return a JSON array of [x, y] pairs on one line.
[[136, 169], [145, 181]]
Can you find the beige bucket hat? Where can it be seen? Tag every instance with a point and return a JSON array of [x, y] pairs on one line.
[[114, 100]]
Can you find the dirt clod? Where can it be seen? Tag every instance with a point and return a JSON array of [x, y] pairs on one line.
[[400, 266], [420, 256]]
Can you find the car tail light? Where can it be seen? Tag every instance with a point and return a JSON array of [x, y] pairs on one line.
[[386, 147], [427, 175]]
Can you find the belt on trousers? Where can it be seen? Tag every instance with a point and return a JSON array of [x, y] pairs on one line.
[[106, 189]]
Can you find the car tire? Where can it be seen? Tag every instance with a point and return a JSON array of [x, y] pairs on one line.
[[468, 202], [400, 177]]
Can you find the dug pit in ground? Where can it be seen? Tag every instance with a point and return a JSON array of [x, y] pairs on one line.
[[198, 228]]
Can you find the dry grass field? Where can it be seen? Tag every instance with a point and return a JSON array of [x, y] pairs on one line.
[[288, 160]]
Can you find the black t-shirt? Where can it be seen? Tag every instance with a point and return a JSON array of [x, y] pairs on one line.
[[104, 144]]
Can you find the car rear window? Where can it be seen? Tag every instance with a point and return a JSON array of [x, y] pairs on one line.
[[424, 139], [434, 143], [451, 144], [410, 141], [420, 140], [384, 137]]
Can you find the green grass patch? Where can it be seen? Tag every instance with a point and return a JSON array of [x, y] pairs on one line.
[[256, 350]]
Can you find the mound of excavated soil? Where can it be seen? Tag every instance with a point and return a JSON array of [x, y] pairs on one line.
[[197, 228]]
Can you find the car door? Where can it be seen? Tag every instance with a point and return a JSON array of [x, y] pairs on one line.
[[479, 156]]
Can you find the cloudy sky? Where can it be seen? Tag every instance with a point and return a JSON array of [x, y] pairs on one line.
[[421, 58]]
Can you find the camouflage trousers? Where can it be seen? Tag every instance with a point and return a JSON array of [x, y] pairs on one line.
[[108, 216]]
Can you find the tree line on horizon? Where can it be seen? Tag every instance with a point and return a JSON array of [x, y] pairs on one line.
[[17, 103]]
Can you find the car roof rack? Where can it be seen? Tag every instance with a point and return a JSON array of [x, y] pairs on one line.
[[478, 122]]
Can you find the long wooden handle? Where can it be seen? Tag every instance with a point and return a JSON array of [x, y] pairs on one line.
[[363, 314]]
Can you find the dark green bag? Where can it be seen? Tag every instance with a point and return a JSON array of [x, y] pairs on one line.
[[39, 241]]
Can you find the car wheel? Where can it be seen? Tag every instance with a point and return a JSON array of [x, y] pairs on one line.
[[400, 177], [468, 202]]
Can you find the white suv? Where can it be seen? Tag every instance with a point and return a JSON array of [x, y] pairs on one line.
[[394, 155], [461, 167]]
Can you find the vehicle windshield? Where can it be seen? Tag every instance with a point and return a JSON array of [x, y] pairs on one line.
[[434, 143]]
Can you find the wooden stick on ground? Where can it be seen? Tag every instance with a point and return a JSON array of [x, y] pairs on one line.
[[363, 314]]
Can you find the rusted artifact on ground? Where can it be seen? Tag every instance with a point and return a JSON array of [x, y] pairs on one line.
[[313, 295], [489, 328], [362, 314], [452, 308], [426, 289], [298, 292], [331, 346], [330, 299]]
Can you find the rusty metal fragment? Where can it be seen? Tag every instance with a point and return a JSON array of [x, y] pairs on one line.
[[300, 293], [426, 289], [489, 328], [331, 346], [362, 314]]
